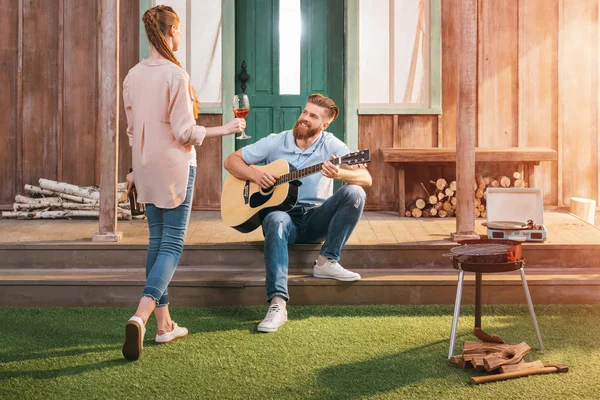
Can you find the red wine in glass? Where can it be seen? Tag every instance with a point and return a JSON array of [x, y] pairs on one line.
[[241, 112], [241, 108]]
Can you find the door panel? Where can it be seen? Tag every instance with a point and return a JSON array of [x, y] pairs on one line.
[[321, 63]]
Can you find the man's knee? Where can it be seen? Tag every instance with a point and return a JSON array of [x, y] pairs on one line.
[[276, 222], [354, 193]]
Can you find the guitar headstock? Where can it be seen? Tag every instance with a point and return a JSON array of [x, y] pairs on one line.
[[358, 157]]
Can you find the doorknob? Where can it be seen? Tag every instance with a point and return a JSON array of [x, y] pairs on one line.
[[244, 77]]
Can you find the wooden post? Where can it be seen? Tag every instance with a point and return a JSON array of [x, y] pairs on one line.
[[466, 120], [108, 117]]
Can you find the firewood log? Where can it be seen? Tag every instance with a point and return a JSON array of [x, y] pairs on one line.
[[453, 185], [519, 183], [440, 184], [442, 213], [420, 203], [495, 184], [454, 202], [407, 214], [477, 213], [511, 355], [433, 211], [426, 213], [483, 214], [441, 195], [479, 193], [517, 175], [416, 212], [487, 180], [438, 206], [447, 206], [432, 199], [425, 189], [521, 365], [481, 207], [477, 202], [63, 187], [505, 181], [38, 190], [450, 213], [449, 192]]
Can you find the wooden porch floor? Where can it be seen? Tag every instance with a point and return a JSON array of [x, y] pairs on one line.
[[206, 227]]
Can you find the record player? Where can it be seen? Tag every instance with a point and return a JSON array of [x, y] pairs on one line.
[[515, 214]]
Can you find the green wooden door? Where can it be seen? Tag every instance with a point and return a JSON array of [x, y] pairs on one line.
[[321, 63]]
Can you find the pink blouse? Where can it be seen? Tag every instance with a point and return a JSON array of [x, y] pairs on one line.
[[157, 96]]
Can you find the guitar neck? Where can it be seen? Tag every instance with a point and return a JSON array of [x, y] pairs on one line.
[[301, 173]]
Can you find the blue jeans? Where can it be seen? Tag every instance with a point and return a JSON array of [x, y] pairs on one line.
[[167, 227], [332, 222]]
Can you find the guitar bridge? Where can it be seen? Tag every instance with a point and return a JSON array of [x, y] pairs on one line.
[[246, 192]]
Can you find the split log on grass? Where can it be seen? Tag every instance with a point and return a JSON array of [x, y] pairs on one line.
[[456, 359], [473, 347], [511, 355], [505, 181], [63, 187], [547, 369], [484, 337], [521, 365]]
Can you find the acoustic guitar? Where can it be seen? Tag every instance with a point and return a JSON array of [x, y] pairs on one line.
[[244, 204]]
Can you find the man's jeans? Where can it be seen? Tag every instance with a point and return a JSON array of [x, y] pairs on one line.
[[333, 222], [167, 234]]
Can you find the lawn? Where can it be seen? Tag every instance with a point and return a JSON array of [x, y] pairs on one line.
[[323, 352]]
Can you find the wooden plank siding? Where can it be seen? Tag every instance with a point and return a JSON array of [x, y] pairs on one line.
[[9, 78], [537, 79]]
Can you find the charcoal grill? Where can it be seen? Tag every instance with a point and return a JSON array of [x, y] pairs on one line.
[[487, 256]]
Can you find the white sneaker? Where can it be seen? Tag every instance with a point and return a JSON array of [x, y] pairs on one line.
[[178, 332], [134, 338], [333, 270], [276, 316]]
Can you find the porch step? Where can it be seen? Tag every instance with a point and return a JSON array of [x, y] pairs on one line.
[[417, 255], [210, 285]]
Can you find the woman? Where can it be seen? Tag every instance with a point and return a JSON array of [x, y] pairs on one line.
[[161, 108]]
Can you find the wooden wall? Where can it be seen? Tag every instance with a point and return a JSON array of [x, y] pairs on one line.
[[537, 75], [48, 108]]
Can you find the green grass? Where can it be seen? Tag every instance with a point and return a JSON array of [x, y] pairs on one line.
[[329, 352]]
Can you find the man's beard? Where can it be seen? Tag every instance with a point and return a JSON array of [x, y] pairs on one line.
[[310, 132]]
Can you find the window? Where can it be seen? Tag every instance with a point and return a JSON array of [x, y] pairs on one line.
[[400, 56]]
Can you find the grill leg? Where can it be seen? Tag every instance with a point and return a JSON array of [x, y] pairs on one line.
[[531, 310], [478, 300], [456, 312]]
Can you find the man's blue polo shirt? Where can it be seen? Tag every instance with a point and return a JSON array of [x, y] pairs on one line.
[[315, 188]]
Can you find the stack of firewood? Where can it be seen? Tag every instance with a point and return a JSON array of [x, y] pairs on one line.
[[441, 200], [491, 354], [52, 199]]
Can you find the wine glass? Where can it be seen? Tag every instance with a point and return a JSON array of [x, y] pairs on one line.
[[241, 108]]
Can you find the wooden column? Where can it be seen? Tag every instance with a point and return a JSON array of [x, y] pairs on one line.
[[466, 120], [108, 119]]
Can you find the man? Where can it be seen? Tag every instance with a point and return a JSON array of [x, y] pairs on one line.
[[319, 215]]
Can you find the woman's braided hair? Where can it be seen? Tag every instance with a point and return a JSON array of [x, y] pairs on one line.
[[157, 21]]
